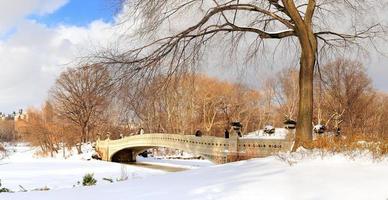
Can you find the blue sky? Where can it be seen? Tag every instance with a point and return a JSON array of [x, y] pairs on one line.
[[79, 13]]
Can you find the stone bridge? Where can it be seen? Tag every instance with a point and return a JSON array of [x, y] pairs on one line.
[[216, 149]]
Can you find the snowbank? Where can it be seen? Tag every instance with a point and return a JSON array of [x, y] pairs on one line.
[[301, 175], [311, 177], [280, 133]]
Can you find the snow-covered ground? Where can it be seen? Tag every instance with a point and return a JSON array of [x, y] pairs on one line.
[[333, 177], [23, 168], [184, 163], [303, 175]]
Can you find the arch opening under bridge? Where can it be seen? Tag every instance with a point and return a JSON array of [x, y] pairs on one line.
[[129, 154]]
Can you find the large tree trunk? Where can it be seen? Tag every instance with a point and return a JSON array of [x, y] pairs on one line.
[[308, 44], [83, 134], [82, 139], [303, 135]]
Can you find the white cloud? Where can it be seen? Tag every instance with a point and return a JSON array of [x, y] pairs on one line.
[[32, 58], [48, 6], [14, 12]]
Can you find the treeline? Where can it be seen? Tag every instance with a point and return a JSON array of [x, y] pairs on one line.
[[91, 101], [195, 102]]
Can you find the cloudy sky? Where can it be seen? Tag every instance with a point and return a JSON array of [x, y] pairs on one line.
[[40, 38]]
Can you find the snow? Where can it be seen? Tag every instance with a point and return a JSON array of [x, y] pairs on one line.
[[187, 163], [279, 32], [318, 126], [24, 168], [331, 177], [280, 134], [319, 129], [301, 175]]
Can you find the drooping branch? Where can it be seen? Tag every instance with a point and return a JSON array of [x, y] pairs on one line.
[[189, 41], [336, 39]]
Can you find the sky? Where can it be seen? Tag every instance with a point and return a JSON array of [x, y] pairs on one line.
[[78, 13], [41, 38]]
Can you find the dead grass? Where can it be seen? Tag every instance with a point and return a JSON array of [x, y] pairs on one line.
[[3, 151], [2, 148], [351, 145]]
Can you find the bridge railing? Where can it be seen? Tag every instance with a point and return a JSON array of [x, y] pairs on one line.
[[173, 137], [174, 140], [216, 145]]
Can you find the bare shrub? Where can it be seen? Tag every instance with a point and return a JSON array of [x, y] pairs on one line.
[[41, 129], [2, 148], [7, 130], [352, 146], [3, 152]]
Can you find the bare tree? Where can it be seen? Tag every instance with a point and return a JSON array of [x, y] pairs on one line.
[[286, 92], [380, 124], [347, 91], [310, 26], [81, 96], [207, 104]]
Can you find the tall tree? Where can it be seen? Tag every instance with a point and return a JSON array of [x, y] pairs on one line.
[[81, 96], [348, 90], [310, 25]]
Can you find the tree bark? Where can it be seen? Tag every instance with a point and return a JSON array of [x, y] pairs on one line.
[[308, 43], [83, 139], [303, 135]]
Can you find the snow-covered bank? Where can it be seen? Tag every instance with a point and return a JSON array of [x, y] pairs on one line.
[[311, 177], [22, 167]]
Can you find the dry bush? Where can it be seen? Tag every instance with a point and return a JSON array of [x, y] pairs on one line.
[[7, 130], [352, 146], [41, 129], [2, 151]]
